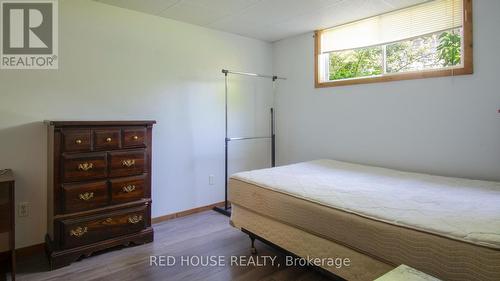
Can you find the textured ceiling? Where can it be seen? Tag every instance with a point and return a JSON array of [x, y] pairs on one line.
[[269, 20]]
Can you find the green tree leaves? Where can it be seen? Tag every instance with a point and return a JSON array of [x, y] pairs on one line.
[[433, 51], [450, 48], [356, 63]]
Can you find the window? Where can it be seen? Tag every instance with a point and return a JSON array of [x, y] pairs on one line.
[[426, 40]]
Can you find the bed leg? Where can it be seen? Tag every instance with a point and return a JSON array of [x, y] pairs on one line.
[[253, 249]]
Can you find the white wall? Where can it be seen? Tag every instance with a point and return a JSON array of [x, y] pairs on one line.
[[447, 126], [117, 64]]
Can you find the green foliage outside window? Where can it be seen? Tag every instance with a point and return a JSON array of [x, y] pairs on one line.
[[356, 63], [433, 51], [449, 48]]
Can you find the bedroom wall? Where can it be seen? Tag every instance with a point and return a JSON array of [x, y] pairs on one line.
[[117, 64], [446, 126]]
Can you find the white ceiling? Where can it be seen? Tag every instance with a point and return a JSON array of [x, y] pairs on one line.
[[269, 20]]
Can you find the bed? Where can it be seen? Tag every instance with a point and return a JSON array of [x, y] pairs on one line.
[[378, 218]]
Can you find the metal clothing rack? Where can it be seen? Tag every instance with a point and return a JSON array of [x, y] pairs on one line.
[[226, 209]]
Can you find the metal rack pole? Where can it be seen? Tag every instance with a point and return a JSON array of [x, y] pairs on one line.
[[273, 140], [225, 71], [226, 210], [226, 146]]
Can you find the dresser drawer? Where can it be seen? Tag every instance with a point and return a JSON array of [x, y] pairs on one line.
[[127, 189], [107, 139], [127, 163], [134, 137], [78, 232], [88, 166], [76, 140], [85, 196]]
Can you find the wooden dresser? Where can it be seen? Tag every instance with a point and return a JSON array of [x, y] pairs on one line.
[[99, 187], [7, 229]]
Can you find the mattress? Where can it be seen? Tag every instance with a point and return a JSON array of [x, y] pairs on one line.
[[467, 210], [446, 227]]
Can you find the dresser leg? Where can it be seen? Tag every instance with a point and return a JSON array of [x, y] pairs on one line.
[[61, 259]]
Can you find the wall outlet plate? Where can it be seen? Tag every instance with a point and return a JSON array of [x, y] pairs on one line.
[[23, 209], [211, 179]]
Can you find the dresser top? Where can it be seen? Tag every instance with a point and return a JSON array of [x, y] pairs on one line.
[[6, 175], [101, 123]]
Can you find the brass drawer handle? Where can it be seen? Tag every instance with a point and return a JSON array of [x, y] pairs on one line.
[[128, 188], [108, 221], [108, 140], [86, 196], [85, 166], [134, 219], [79, 231], [135, 137], [128, 163], [78, 141]]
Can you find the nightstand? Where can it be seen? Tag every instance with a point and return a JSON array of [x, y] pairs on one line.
[[7, 244]]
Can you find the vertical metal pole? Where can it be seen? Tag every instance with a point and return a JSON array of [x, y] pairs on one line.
[[225, 211], [226, 142], [273, 140], [273, 133]]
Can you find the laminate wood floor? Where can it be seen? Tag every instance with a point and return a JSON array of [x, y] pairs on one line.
[[202, 235]]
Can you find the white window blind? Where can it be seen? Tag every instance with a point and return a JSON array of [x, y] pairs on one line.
[[415, 21]]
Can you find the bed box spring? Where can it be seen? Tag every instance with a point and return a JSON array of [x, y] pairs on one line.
[[391, 245], [304, 244]]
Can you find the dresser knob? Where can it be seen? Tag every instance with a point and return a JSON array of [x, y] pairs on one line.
[[86, 196], [78, 141], [78, 232], [135, 137], [134, 219], [128, 188], [128, 163], [108, 140], [85, 166]]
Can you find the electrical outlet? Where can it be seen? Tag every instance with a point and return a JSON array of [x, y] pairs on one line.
[[211, 179], [23, 209]]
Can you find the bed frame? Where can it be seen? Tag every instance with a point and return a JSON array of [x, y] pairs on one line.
[[285, 252]]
